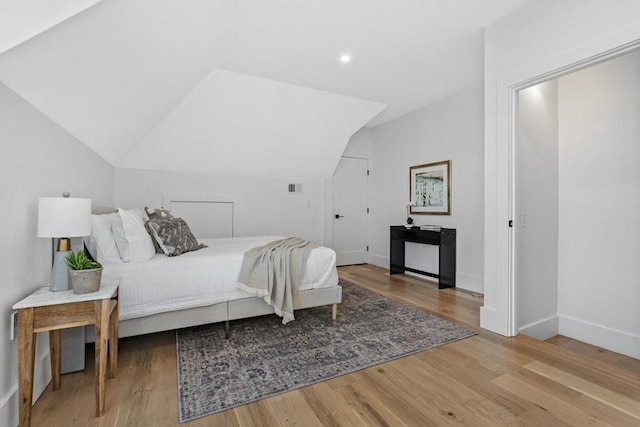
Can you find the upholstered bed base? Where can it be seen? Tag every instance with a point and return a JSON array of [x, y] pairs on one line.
[[225, 311]]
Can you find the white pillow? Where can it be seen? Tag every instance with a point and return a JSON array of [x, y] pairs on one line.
[[101, 244], [132, 239]]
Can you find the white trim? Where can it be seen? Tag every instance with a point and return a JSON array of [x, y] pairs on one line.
[[182, 197], [9, 407], [169, 198], [351, 258], [490, 319], [429, 267], [601, 336], [323, 209], [468, 282], [578, 65], [379, 260], [512, 308], [542, 329], [41, 379], [327, 219], [499, 313]]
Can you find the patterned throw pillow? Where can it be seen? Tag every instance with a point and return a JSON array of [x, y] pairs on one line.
[[160, 213], [173, 236]]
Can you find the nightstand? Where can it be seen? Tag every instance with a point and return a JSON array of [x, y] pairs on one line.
[[46, 311]]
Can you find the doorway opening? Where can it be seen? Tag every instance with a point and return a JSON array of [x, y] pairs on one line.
[[573, 192]]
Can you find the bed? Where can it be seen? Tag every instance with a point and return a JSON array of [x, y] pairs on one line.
[[200, 287]]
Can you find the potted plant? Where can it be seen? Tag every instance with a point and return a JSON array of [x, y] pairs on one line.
[[85, 274]]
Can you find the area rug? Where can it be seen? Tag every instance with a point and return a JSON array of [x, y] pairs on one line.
[[264, 358]]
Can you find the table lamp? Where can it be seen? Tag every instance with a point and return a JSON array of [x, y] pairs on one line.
[[62, 218]]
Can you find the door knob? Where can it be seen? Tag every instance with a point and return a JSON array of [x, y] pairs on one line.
[[339, 216]]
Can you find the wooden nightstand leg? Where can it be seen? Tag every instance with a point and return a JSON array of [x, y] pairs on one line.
[[113, 342], [26, 354], [54, 353], [102, 331]]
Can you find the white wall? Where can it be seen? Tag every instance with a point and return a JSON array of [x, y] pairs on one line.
[[360, 144], [520, 47], [450, 129], [599, 240], [37, 158], [536, 214], [262, 206]]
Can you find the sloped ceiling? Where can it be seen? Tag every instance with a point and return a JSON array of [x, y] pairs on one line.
[[251, 87], [22, 19], [238, 107]]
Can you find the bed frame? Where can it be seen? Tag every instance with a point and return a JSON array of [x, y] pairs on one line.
[[221, 312], [227, 311]]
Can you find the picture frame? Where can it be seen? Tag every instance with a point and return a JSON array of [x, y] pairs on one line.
[[430, 188]]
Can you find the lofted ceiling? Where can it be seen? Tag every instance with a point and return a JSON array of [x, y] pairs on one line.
[[237, 87]]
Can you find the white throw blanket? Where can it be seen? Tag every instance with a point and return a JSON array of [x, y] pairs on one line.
[[274, 272]]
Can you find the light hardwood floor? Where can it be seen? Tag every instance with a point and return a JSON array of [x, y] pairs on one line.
[[485, 380]]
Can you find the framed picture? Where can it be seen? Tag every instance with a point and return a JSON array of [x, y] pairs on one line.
[[430, 188]]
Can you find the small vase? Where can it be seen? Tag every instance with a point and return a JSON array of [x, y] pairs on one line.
[[85, 281]]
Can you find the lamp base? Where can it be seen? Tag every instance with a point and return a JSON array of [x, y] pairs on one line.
[[64, 244], [59, 273]]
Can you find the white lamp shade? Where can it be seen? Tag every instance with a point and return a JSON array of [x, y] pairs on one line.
[[64, 217]]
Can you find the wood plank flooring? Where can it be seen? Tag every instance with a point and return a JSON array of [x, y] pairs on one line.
[[485, 380]]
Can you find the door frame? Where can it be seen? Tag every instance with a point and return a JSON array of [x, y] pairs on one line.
[[512, 288]]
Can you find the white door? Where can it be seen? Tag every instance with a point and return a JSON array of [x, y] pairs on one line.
[[350, 211]]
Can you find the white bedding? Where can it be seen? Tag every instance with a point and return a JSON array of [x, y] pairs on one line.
[[203, 277]]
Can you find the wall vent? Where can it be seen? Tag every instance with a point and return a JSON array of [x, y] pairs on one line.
[[295, 188]]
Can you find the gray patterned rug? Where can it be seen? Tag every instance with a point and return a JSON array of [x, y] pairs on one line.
[[264, 358]]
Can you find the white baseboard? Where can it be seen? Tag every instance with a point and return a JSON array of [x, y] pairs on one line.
[[489, 321], [424, 267], [350, 258], [9, 407], [487, 318], [542, 329], [379, 260], [601, 336], [41, 378], [468, 282]]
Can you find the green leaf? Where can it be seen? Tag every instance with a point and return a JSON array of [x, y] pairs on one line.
[[80, 261]]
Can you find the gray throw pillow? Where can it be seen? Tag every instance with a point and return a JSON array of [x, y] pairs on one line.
[[160, 213], [173, 236]]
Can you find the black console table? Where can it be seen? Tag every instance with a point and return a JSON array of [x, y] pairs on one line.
[[445, 239]]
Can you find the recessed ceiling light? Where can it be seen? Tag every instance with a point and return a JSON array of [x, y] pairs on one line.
[[345, 58]]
